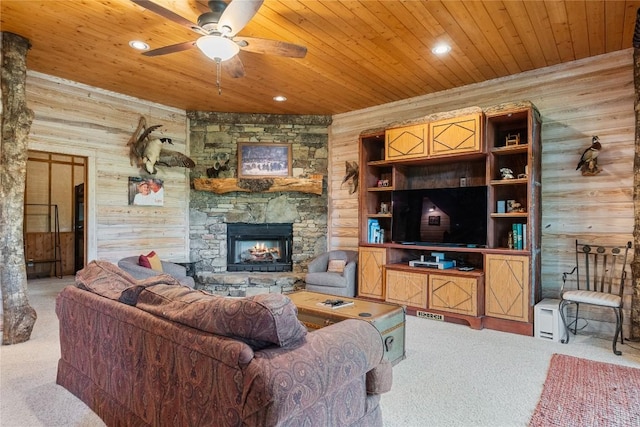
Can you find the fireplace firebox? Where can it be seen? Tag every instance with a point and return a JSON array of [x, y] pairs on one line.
[[259, 247]]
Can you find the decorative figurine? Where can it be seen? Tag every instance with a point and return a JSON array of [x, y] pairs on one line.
[[506, 173], [589, 159], [512, 139]]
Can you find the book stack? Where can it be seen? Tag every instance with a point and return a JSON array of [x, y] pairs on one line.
[[519, 236], [375, 233]]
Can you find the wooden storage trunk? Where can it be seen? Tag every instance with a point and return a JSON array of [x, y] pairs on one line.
[[388, 318]]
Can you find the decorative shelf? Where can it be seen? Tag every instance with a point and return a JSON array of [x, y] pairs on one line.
[[511, 149], [259, 185], [389, 188], [513, 181], [510, 215]]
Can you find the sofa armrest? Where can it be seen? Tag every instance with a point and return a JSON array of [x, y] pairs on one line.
[[380, 378], [283, 381]]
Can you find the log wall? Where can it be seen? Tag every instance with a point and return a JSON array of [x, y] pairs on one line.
[[71, 118], [589, 97]]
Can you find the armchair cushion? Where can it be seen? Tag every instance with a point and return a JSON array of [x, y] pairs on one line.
[[332, 280]]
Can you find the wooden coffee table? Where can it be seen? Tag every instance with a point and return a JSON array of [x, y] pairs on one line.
[[388, 318]]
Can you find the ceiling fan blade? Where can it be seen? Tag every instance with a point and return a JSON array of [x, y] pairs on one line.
[[171, 16], [271, 47], [179, 47], [238, 14], [234, 67]]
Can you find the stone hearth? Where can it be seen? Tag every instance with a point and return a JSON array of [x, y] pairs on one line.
[[243, 284]]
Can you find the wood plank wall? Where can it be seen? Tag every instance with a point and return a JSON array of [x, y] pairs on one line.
[[71, 118], [589, 97]]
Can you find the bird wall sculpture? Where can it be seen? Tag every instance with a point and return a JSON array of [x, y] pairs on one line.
[[146, 152], [589, 159]]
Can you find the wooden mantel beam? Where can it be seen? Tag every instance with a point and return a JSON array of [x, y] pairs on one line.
[[262, 185]]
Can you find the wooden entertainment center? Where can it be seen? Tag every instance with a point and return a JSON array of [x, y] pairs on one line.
[[496, 280]]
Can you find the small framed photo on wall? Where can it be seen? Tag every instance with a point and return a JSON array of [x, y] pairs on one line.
[[146, 191]]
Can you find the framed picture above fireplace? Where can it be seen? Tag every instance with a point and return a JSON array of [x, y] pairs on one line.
[[264, 160]]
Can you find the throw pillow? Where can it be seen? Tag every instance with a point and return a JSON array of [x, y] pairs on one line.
[[336, 266], [151, 260]]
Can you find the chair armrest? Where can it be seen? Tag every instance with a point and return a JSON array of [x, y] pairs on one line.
[[319, 264], [564, 279], [175, 270], [350, 269]]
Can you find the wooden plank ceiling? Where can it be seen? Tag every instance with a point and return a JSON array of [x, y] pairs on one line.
[[360, 53]]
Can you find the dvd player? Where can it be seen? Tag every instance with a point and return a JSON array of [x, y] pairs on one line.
[[440, 265]]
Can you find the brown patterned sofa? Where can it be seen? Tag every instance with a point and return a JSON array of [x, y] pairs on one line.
[[152, 352]]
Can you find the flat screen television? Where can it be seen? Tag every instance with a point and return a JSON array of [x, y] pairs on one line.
[[440, 217]]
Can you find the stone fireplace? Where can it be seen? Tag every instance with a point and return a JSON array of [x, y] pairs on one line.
[[259, 247], [215, 136]]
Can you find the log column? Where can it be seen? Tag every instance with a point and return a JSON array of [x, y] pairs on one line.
[[635, 264], [17, 315]]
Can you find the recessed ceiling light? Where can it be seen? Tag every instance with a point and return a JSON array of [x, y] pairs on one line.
[[279, 98], [441, 49], [139, 45]]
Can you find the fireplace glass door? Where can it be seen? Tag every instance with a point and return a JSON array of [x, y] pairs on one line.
[[259, 247]]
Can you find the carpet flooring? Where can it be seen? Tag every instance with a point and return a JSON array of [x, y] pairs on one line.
[[453, 376], [581, 392]]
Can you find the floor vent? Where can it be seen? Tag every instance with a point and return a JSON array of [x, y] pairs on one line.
[[431, 316]]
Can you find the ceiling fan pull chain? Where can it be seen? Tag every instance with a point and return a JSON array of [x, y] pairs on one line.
[[218, 72]]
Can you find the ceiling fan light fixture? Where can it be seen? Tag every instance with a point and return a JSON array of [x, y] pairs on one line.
[[217, 47]]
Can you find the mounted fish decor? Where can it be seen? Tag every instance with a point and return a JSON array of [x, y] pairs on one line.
[[351, 176], [147, 152]]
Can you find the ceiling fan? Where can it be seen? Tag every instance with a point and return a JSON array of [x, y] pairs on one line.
[[218, 29]]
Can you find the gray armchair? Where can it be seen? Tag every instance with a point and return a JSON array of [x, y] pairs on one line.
[[318, 279], [130, 265]]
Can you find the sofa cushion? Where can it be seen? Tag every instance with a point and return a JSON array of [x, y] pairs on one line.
[[108, 280], [260, 320], [151, 260]]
